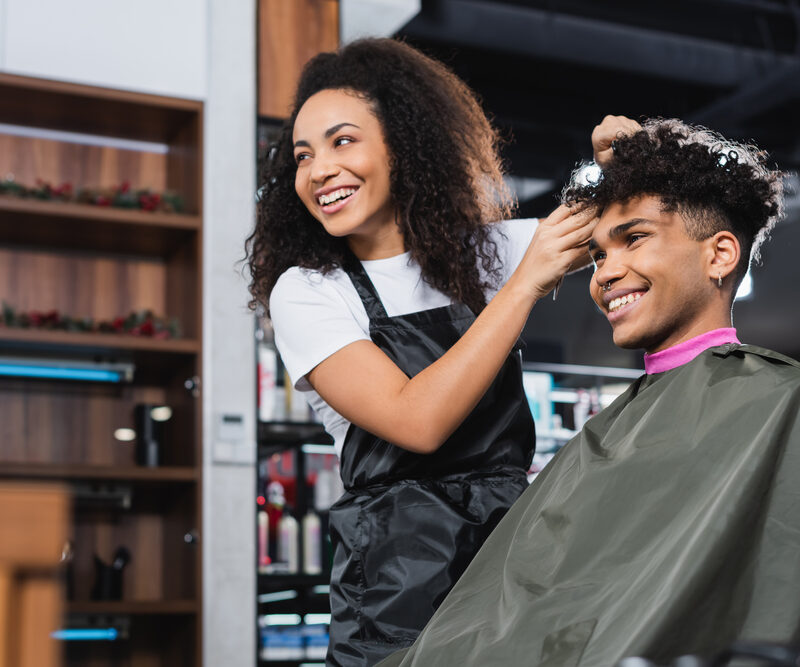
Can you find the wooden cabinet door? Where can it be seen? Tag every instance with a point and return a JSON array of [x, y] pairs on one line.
[[290, 33]]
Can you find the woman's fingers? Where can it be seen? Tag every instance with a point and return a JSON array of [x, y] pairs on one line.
[[580, 236], [558, 215], [570, 216], [604, 134]]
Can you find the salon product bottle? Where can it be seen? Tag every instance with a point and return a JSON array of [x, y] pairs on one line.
[[267, 375], [263, 542], [276, 502], [323, 490], [312, 544], [287, 543]]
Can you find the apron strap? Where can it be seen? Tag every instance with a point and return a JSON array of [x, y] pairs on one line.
[[366, 290]]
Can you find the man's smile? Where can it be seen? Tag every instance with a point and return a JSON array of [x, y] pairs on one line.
[[620, 302]]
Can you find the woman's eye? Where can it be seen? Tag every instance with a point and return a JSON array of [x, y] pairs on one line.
[[341, 141], [300, 157]]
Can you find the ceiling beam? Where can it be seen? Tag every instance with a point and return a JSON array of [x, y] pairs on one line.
[[549, 35], [755, 97]]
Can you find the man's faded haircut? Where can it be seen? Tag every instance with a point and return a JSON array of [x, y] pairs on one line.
[[713, 183]]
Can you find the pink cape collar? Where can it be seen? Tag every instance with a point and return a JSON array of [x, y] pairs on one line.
[[684, 352]]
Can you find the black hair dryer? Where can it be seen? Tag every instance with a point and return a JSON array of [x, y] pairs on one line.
[[108, 577], [149, 420]]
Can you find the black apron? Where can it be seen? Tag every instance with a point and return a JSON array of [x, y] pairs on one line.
[[408, 524]]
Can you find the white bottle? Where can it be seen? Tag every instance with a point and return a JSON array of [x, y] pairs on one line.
[[267, 389], [287, 543], [312, 544], [323, 490]]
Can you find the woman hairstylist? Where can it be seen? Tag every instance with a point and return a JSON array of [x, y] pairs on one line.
[[397, 307]]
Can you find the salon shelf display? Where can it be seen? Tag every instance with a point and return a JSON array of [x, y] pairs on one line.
[[298, 477], [562, 397], [99, 262]]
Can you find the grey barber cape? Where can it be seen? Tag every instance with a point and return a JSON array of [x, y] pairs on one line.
[[669, 525]]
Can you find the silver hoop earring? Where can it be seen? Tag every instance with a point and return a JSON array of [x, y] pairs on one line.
[[719, 280]]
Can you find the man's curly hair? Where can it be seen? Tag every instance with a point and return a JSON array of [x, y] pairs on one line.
[[713, 183], [446, 179]]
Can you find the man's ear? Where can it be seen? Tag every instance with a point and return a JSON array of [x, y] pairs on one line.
[[724, 253]]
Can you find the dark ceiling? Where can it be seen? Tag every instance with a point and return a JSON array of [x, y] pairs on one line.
[[547, 72]]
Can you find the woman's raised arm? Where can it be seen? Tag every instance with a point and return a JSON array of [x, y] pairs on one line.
[[364, 385]]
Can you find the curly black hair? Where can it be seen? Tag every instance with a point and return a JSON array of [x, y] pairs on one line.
[[446, 178], [713, 183]]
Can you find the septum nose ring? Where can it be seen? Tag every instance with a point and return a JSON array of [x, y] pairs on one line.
[[606, 287]]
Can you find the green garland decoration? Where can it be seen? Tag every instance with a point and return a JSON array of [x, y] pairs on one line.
[[143, 323], [120, 196]]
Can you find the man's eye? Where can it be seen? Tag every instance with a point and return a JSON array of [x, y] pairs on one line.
[[598, 256], [634, 237]]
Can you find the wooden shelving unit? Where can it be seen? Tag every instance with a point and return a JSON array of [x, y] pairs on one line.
[[87, 227], [101, 262], [161, 474]]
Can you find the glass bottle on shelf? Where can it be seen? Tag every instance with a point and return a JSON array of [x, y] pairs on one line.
[[278, 400], [271, 392]]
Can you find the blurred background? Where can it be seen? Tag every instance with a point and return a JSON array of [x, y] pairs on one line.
[[163, 490]]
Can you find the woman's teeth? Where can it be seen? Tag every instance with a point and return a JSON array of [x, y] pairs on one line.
[[331, 197], [624, 301]]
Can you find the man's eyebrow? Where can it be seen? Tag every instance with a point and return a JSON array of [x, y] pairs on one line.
[[619, 230], [328, 133]]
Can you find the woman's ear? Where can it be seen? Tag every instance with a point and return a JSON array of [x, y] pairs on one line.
[[724, 253]]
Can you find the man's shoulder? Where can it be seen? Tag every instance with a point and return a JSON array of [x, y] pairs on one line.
[[762, 362], [770, 355]]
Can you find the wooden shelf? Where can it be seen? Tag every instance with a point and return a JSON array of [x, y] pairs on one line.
[[30, 222], [93, 342], [133, 608], [109, 112], [89, 472]]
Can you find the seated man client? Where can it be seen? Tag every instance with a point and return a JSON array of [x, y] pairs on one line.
[[670, 525]]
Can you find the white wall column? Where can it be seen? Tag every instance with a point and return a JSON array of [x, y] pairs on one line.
[[229, 568]]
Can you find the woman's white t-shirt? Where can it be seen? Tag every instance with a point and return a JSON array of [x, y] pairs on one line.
[[316, 315]]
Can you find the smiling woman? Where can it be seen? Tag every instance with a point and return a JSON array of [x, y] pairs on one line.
[[397, 300]]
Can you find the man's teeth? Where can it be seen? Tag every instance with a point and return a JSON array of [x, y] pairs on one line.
[[331, 197], [623, 301]]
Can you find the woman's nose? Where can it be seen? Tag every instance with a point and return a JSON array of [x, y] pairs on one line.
[[323, 168]]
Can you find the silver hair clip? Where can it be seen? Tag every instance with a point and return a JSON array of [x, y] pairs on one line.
[[557, 287]]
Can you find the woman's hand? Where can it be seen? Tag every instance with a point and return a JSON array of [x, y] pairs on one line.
[[603, 135], [558, 246]]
